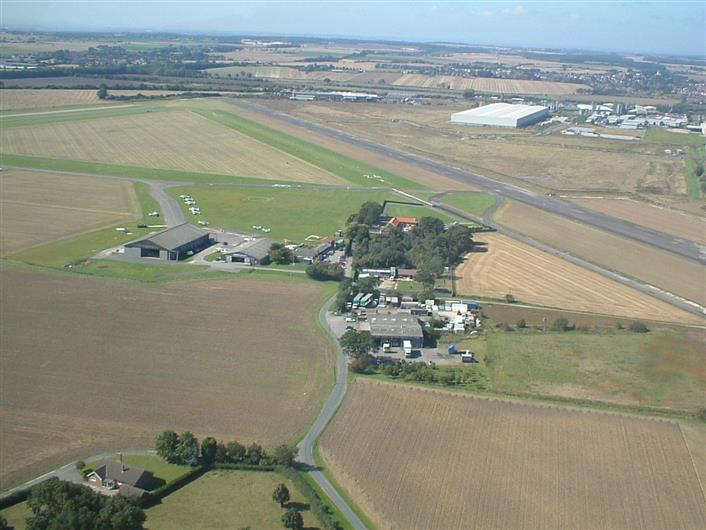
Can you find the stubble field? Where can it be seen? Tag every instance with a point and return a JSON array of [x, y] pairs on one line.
[[176, 140], [416, 458], [533, 276], [483, 84], [92, 365], [679, 276], [38, 207], [665, 220]]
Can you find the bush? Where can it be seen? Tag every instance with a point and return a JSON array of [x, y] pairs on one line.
[[521, 324], [325, 271], [13, 498], [639, 327], [561, 324], [80, 465], [510, 299]]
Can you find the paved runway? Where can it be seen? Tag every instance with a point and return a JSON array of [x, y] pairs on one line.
[[655, 238]]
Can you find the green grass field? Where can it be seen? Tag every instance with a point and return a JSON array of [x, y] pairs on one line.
[[161, 469], [662, 136], [697, 159], [663, 368], [226, 499], [17, 515], [473, 203], [405, 210], [338, 164], [291, 213]]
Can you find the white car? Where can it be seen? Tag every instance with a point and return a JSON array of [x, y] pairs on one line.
[[203, 223]]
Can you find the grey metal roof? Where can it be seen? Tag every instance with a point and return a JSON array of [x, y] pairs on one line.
[[257, 249], [172, 238], [395, 325]]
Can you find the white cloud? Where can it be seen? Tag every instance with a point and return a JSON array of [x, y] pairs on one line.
[[516, 10]]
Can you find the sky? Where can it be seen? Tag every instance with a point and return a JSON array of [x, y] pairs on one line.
[[669, 27]]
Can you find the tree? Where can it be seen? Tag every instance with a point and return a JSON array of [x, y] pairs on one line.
[[284, 455], [360, 365], [4, 524], [80, 465], [187, 450], [166, 446], [102, 92], [638, 327], [369, 213], [426, 278], [325, 271], [521, 324], [281, 495], [293, 520], [235, 452], [561, 324], [356, 344], [510, 299], [280, 254], [254, 454], [208, 450]]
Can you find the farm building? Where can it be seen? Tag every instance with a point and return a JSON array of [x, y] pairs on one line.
[[395, 328], [501, 115], [173, 243], [406, 223], [317, 253], [128, 480], [255, 252]]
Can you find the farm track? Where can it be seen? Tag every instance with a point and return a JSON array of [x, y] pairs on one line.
[[669, 243]]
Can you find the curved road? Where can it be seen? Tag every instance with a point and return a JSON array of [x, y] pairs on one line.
[[675, 245], [306, 446]]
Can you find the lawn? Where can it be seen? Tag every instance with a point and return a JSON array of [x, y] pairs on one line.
[[695, 163], [158, 466], [336, 163], [16, 515], [662, 368], [408, 210], [473, 203], [227, 499], [291, 213], [662, 136]]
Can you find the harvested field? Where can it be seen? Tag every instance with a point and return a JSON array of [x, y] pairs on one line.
[[484, 84], [15, 99], [166, 140], [658, 268], [434, 459], [555, 162], [280, 72], [533, 276], [38, 207], [92, 365], [663, 219]]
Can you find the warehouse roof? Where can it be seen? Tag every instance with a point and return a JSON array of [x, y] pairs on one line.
[[395, 325], [258, 249], [500, 110], [171, 238]]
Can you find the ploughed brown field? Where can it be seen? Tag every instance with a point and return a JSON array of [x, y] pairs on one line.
[[661, 269], [101, 365], [38, 207], [673, 222], [533, 276], [419, 458]]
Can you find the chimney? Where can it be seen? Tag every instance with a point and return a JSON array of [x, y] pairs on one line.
[[122, 465]]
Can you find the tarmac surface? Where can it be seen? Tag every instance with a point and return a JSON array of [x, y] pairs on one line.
[[675, 245]]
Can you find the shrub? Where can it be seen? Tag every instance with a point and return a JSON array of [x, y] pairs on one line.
[[561, 324], [510, 299], [639, 327], [325, 271], [521, 324], [80, 465]]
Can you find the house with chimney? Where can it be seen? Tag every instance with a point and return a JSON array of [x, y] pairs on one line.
[[116, 475]]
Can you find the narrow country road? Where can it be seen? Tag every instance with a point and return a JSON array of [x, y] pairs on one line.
[[306, 446]]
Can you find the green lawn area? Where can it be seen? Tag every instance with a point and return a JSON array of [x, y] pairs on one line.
[[696, 159], [406, 210], [662, 368], [663, 136], [226, 499], [473, 203], [291, 213], [16, 515], [338, 164], [146, 273], [161, 468]]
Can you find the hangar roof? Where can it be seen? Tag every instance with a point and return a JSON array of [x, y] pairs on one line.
[[171, 238], [501, 110]]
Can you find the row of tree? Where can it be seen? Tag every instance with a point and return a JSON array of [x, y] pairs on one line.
[[291, 519], [185, 449], [472, 376]]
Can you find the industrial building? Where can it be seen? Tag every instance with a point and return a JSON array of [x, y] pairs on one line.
[[318, 253], [256, 252], [502, 115], [174, 243], [395, 328]]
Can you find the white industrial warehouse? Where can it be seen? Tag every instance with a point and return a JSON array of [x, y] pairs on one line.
[[502, 115]]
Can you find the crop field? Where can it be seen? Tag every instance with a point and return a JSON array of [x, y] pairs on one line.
[[290, 213], [674, 274], [661, 369], [226, 499], [81, 360], [665, 220], [434, 459], [38, 207], [280, 72], [30, 98], [548, 162], [170, 140], [483, 84], [533, 276]]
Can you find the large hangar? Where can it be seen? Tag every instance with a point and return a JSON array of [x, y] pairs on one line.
[[502, 115]]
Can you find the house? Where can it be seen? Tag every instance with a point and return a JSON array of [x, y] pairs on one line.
[[407, 274], [395, 328], [171, 244], [403, 222], [115, 474], [318, 253], [256, 252]]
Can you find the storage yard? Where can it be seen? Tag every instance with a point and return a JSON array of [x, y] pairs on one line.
[[679, 276], [81, 360], [536, 277], [39, 207], [435, 459]]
